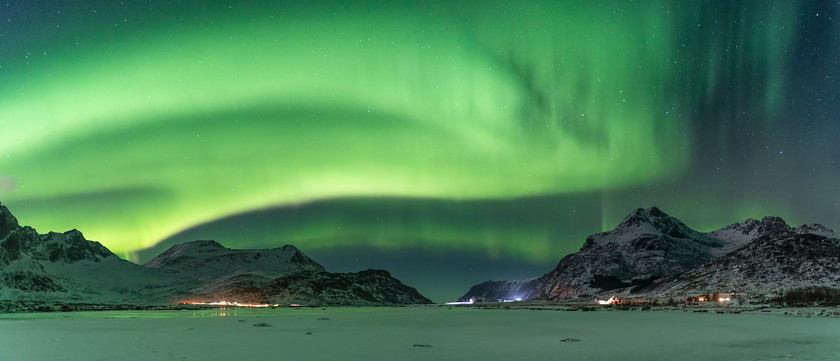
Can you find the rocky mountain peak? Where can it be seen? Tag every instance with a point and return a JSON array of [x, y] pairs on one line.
[[654, 220], [289, 248], [643, 216], [816, 229], [199, 246], [651, 221], [739, 234], [8, 222], [69, 247], [766, 226], [186, 250], [774, 226]]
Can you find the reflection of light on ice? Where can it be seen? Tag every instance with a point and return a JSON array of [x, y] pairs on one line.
[[233, 304], [607, 302]]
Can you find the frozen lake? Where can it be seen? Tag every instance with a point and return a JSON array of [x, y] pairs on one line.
[[415, 333]]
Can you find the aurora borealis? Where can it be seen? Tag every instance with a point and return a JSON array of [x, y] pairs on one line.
[[448, 143]]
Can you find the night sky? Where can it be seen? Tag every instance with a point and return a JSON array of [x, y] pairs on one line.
[[448, 142]]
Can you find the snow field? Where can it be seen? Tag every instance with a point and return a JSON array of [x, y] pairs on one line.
[[414, 333]]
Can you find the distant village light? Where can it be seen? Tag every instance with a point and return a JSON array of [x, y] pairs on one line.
[[235, 304], [468, 302], [607, 302]]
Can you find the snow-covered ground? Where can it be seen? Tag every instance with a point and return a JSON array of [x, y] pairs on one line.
[[415, 333]]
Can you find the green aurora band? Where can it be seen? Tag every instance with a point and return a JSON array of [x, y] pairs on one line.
[[135, 134]]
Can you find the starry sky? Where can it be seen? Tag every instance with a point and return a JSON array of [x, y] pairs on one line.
[[448, 142]]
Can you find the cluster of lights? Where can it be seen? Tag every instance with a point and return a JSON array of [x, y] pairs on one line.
[[613, 300], [607, 302], [231, 304], [473, 300]]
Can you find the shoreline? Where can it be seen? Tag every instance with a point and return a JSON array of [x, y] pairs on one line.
[[805, 311], [14, 307]]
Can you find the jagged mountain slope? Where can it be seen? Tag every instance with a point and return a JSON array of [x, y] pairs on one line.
[[780, 259], [738, 235], [63, 266]]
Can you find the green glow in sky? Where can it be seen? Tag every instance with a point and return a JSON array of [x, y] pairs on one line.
[[137, 133]]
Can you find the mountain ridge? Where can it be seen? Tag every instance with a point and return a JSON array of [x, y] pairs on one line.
[[651, 254], [187, 256], [64, 268]]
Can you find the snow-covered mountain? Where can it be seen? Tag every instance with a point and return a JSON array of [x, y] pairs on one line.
[[214, 260], [777, 260], [653, 254], [62, 266], [206, 270], [647, 245], [68, 269], [738, 235]]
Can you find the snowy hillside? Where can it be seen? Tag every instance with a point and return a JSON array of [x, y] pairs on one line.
[[215, 260], [738, 235], [206, 270], [777, 261]]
